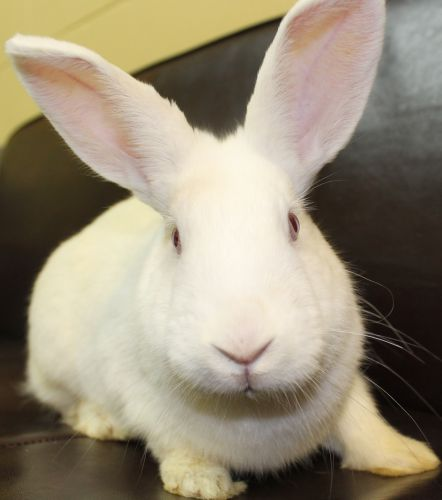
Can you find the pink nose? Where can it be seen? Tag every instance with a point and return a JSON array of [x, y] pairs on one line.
[[245, 359]]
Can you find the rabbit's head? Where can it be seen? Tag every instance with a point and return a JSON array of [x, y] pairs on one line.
[[257, 296]]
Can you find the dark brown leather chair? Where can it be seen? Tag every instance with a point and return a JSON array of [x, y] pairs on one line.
[[380, 203]]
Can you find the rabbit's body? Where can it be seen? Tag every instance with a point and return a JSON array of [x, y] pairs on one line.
[[68, 307], [225, 332], [129, 245]]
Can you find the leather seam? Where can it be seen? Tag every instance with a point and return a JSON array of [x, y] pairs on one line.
[[27, 442]]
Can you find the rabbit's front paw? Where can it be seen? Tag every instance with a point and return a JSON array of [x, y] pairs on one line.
[[89, 419], [184, 474]]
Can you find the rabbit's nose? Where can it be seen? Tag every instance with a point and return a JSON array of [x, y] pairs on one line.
[[246, 358]]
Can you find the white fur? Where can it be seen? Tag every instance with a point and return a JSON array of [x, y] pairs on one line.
[[125, 334], [314, 82], [174, 314], [114, 123]]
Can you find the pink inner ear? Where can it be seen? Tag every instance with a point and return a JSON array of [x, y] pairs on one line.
[[71, 98], [327, 69], [316, 88], [122, 128]]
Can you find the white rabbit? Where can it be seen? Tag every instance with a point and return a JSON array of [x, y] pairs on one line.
[[212, 325]]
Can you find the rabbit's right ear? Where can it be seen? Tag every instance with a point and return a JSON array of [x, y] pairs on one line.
[[314, 82], [123, 129]]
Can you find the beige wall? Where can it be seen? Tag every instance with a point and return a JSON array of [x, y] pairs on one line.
[[130, 33]]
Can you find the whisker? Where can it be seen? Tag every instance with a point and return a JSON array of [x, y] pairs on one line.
[[374, 282], [83, 455], [143, 463], [323, 182], [400, 406], [74, 435], [392, 343], [332, 468], [403, 380], [400, 334], [380, 338], [126, 447]]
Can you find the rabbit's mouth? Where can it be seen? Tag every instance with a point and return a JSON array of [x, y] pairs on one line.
[[279, 398], [252, 383], [245, 383]]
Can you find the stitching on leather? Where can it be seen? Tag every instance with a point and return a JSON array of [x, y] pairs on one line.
[[48, 439]]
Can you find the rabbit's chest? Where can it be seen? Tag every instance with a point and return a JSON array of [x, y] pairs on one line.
[[253, 441]]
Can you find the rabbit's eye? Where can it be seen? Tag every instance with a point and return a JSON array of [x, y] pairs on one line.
[[176, 240], [294, 226]]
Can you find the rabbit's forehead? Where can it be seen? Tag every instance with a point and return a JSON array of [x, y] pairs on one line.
[[232, 178], [219, 194]]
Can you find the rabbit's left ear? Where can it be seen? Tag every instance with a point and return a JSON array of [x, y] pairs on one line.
[[314, 83], [122, 128]]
